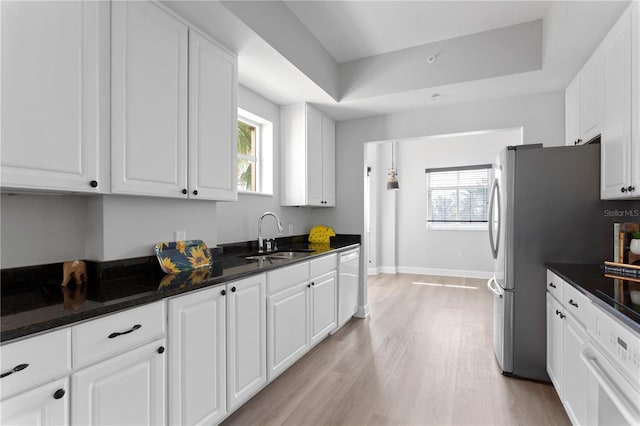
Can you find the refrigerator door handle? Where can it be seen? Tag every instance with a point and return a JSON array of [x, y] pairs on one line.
[[494, 289], [494, 240]]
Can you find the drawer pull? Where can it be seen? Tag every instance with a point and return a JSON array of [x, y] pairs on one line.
[[116, 334], [15, 369], [59, 394], [572, 303], [552, 285]]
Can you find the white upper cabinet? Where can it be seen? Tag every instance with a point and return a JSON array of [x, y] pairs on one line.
[[308, 157], [572, 112], [591, 99], [583, 103], [173, 108], [55, 95], [149, 101], [620, 168], [212, 120]]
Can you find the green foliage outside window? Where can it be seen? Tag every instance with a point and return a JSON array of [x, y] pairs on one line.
[[246, 163]]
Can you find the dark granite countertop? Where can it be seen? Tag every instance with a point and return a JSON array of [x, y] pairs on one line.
[[33, 301], [611, 294]]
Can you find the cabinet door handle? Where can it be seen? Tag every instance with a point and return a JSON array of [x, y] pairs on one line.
[[15, 369], [58, 394], [184, 191], [562, 315], [223, 292], [631, 188], [195, 192], [93, 183], [623, 189], [552, 285], [572, 303], [557, 312], [161, 350], [233, 289], [120, 333]]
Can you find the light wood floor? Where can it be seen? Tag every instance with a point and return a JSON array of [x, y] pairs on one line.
[[423, 357]]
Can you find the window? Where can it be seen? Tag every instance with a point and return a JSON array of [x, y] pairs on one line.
[[458, 197], [255, 154]]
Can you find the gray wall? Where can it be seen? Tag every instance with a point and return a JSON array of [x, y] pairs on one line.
[[540, 116], [428, 251]]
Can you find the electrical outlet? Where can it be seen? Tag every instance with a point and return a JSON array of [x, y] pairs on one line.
[[180, 235], [459, 253]]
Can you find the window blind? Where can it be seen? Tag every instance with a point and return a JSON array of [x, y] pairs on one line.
[[458, 195]]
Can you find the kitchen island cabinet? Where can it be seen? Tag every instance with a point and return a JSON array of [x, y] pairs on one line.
[[55, 96]]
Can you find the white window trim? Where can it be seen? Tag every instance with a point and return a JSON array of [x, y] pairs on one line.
[[264, 152], [457, 226]]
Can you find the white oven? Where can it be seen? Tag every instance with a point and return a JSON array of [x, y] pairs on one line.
[[612, 357]]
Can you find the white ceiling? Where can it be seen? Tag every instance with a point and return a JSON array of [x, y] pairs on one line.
[[344, 55], [356, 29]]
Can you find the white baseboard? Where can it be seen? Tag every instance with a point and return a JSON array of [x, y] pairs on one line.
[[387, 270], [444, 272], [363, 312], [372, 271]]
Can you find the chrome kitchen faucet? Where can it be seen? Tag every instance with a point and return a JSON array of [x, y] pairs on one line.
[[280, 228]]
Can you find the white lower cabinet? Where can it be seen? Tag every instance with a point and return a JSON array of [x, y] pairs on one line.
[[555, 343], [45, 405], [323, 303], [288, 332], [246, 339], [567, 319], [128, 389], [197, 358], [125, 369]]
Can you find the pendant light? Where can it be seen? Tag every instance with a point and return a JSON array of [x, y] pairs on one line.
[[392, 180]]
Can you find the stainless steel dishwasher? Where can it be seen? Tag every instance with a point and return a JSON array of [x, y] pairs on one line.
[[348, 285]]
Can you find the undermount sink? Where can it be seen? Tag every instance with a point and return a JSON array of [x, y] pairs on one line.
[[291, 254]]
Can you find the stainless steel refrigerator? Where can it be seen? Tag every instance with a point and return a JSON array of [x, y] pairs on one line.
[[544, 207]]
